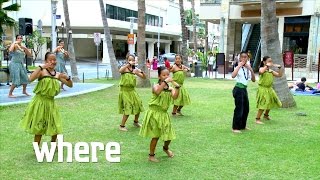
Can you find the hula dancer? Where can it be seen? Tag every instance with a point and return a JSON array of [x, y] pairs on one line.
[[129, 101], [266, 96], [61, 56], [243, 72], [18, 73], [183, 99], [42, 116], [157, 122]]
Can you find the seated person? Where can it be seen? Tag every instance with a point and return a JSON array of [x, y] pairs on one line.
[[317, 90], [301, 86]]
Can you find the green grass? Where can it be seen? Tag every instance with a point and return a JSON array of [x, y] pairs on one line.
[[287, 147]]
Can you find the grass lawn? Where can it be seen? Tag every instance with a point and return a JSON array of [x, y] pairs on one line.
[[287, 147]]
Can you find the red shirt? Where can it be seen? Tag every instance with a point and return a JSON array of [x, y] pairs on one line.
[[167, 64]]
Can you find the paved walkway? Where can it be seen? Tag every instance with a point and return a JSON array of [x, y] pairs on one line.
[[77, 89]]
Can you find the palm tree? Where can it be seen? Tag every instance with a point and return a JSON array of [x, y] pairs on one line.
[[184, 34], [270, 45], [112, 57], [195, 42], [142, 44], [4, 18], [72, 56]]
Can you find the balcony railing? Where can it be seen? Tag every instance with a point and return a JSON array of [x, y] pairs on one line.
[[212, 2], [204, 2], [258, 1]]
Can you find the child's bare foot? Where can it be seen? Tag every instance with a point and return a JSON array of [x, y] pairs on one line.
[[123, 128], [236, 131], [247, 129], [179, 113], [168, 152], [258, 121], [152, 158], [137, 124], [26, 93], [11, 96], [266, 117]]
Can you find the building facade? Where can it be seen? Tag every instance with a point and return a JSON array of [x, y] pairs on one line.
[[298, 26], [85, 19]]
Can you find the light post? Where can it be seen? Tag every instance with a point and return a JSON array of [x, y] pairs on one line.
[[131, 45], [57, 31], [69, 34], [53, 24], [158, 43], [62, 28]]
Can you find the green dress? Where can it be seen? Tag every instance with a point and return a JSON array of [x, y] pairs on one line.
[[157, 122], [266, 96], [183, 98], [61, 65], [129, 102], [18, 73], [42, 117]]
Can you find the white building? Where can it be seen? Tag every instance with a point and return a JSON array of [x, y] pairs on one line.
[[85, 19], [298, 27]]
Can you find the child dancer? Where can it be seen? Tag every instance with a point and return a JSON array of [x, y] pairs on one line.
[[266, 96], [42, 116], [129, 101], [157, 123], [243, 72], [183, 99]]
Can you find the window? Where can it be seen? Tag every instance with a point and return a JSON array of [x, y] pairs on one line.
[[121, 14], [110, 11]]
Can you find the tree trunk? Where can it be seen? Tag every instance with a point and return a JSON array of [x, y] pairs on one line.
[[72, 56], [142, 44], [184, 34], [270, 46], [195, 42], [113, 61]]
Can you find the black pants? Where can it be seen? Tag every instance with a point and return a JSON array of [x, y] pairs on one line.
[[241, 110]]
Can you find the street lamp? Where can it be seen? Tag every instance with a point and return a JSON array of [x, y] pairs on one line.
[[131, 45], [53, 24], [158, 43], [69, 34], [62, 28], [57, 31]]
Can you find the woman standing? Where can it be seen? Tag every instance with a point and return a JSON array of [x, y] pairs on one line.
[[18, 73], [61, 55]]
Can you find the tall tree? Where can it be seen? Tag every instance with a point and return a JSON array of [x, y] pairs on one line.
[[194, 25], [142, 44], [107, 38], [184, 34], [4, 18], [72, 56], [270, 45], [35, 42]]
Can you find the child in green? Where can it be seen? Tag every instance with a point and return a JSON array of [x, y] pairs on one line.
[[157, 122], [266, 96], [183, 99], [42, 116], [129, 101]]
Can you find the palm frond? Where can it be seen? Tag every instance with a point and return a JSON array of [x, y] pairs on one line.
[[3, 1], [12, 7]]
